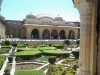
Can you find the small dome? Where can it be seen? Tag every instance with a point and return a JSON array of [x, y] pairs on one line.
[[58, 19], [30, 16]]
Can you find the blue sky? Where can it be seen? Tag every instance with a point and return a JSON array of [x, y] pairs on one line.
[[18, 9]]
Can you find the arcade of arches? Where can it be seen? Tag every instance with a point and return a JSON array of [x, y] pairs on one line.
[[89, 35], [35, 33], [53, 34]]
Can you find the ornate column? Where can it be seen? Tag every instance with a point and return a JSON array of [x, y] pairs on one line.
[[87, 61]]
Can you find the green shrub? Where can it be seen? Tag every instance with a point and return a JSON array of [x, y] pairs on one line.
[[52, 59], [14, 45], [78, 42], [53, 70], [10, 59], [76, 54], [67, 42], [6, 72], [7, 42]]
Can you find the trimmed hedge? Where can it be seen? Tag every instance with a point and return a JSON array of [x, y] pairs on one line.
[[5, 49], [76, 54], [56, 53], [52, 59], [43, 45], [6, 46], [21, 45], [7, 42], [67, 42], [47, 48], [27, 55], [1, 62], [31, 72], [27, 49], [14, 45], [58, 46]]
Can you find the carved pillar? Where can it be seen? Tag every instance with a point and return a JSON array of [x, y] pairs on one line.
[[87, 59]]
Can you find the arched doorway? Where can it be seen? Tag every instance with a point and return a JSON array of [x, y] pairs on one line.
[[46, 34], [71, 35], [62, 34], [35, 34], [54, 34]]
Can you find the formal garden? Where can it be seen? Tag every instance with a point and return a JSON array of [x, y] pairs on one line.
[[42, 59]]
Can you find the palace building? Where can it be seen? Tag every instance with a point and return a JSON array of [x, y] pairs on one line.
[[42, 27]]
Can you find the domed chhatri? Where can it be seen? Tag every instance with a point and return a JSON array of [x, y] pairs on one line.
[[30, 16], [58, 18]]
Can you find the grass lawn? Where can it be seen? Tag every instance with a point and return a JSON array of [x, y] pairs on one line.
[[31, 72]]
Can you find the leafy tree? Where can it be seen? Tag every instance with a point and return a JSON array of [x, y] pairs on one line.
[[67, 42], [7, 42], [78, 42], [52, 59]]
